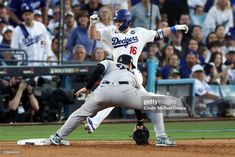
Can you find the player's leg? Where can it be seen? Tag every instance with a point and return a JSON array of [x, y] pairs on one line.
[[92, 123], [157, 121], [75, 119]]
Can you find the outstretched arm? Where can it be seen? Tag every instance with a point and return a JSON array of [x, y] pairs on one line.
[[165, 32], [99, 70]]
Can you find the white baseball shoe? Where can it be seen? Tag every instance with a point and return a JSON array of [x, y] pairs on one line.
[[89, 126], [55, 139], [164, 141]]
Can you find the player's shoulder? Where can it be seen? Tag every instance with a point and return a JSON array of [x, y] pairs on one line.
[[139, 30]]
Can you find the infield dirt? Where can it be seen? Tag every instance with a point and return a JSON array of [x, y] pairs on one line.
[[185, 148]]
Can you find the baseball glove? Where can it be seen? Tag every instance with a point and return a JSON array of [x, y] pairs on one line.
[[141, 136]]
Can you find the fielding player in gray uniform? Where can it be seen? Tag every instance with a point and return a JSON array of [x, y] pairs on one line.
[[125, 92]]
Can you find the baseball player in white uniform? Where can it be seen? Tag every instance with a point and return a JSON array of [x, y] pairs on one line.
[[119, 78], [127, 40], [32, 37]]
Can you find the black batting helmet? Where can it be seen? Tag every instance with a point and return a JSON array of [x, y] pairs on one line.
[[126, 59]]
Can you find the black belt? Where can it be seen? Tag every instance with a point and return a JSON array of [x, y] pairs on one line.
[[119, 82]]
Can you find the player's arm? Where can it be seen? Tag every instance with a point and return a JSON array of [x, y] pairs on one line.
[[99, 70], [165, 32], [93, 33]]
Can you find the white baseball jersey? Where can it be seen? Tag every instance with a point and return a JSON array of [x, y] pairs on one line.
[[37, 45], [131, 43]]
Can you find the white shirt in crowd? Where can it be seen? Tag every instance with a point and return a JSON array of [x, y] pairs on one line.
[[37, 45], [121, 4], [217, 17]]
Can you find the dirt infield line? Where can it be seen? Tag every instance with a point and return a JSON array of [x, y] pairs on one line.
[[185, 148]]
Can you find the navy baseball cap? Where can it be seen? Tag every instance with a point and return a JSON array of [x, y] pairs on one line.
[[126, 59], [26, 8], [230, 34]]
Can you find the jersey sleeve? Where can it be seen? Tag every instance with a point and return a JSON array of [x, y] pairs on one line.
[[148, 35], [105, 63], [105, 34]]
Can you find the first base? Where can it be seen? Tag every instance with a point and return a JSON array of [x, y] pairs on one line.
[[40, 142]]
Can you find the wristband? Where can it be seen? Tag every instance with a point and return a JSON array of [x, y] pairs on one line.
[[173, 29]]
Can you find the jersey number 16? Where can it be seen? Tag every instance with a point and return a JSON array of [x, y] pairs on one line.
[[133, 50]]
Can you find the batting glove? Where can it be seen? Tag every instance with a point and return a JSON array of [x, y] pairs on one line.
[[182, 28], [94, 19]]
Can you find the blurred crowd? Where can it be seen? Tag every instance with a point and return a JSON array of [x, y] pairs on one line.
[[210, 42]]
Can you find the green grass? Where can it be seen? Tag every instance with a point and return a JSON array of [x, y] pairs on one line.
[[177, 130]]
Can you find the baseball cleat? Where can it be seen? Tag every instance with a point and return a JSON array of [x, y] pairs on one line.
[[55, 139], [188, 109], [164, 141], [89, 127]]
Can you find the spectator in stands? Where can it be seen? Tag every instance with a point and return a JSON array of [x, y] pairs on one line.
[[153, 51], [194, 47], [79, 53], [172, 64], [197, 35], [76, 7], [99, 55], [197, 17], [211, 37], [220, 33], [193, 4], [177, 42], [106, 21], [38, 16], [230, 61], [212, 48], [55, 19], [70, 23], [229, 41], [117, 4], [32, 37], [6, 44], [79, 35], [191, 59], [142, 15], [218, 71], [166, 52], [22, 103], [206, 96], [15, 10], [7, 36], [92, 7], [219, 14]]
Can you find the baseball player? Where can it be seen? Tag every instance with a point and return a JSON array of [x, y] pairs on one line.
[[32, 37], [126, 40], [126, 92]]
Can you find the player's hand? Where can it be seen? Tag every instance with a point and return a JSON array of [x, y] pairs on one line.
[[94, 19], [83, 90], [182, 28]]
